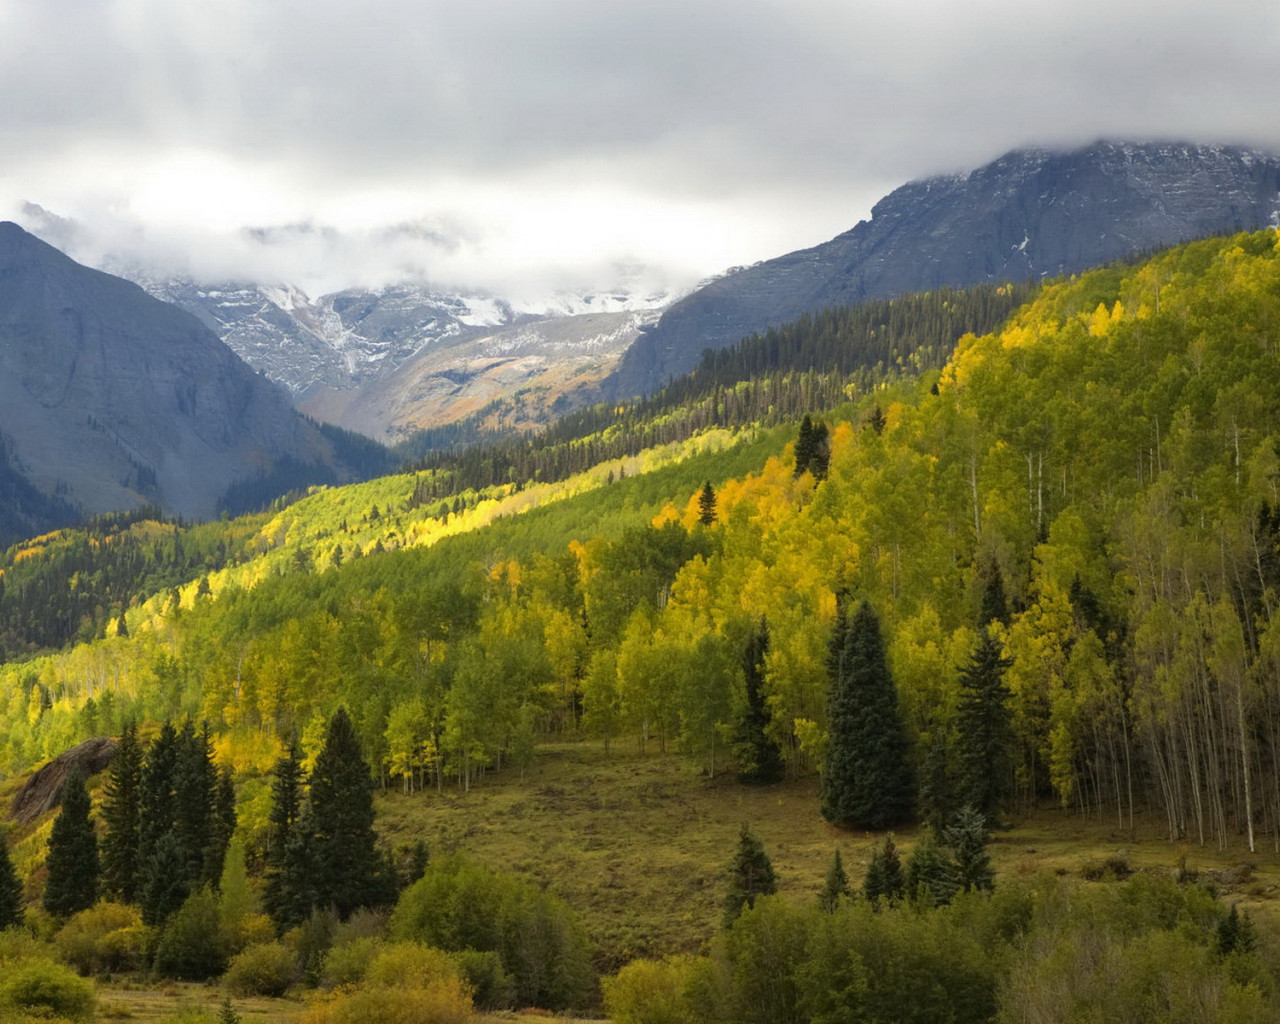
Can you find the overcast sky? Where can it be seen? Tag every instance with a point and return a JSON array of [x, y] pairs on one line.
[[514, 144]]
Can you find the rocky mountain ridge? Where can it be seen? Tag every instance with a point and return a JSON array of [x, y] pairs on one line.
[[110, 398], [1031, 213]]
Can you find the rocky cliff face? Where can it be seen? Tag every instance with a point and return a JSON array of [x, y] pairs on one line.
[[1032, 213], [110, 398]]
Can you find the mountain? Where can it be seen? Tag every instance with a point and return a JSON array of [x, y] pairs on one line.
[[1032, 213], [110, 399]]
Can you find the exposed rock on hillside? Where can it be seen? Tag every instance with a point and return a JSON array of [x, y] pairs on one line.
[[42, 791]]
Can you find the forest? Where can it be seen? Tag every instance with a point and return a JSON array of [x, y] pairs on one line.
[[1045, 566]]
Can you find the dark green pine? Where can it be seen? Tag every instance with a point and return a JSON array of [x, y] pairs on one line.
[[866, 779], [163, 885], [194, 782], [347, 865], [884, 879], [222, 826], [930, 873], [155, 791], [806, 444], [984, 728], [967, 837], [72, 864], [11, 903], [750, 875], [287, 894], [835, 885], [759, 758], [707, 505], [120, 813]]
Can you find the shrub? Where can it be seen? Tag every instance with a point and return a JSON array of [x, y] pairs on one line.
[[458, 904], [392, 1006], [192, 946], [347, 964], [491, 986], [651, 992], [43, 988], [106, 937], [265, 969]]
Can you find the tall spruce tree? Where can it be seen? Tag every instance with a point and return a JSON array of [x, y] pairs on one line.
[[72, 864], [984, 729], [930, 872], [155, 791], [194, 782], [750, 875], [223, 825], [759, 758], [347, 870], [993, 606], [163, 884], [866, 780], [707, 505], [287, 894], [120, 813], [11, 904]]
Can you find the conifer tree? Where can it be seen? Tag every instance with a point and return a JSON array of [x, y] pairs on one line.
[[347, 869], [835, 886], [707, 505], [72, 864], [930, 875], [11, 908], [983, 724], [993, 606], [120, 811], [967, 837], [937, 804], [287, 896], [805, 445], [884, 874], [866, 780], [163, 885], [759, 758], [194, 783], [223, 825], [750, 875], [155, 791]]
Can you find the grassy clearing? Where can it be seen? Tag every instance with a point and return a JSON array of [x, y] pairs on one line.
[[637, 844]]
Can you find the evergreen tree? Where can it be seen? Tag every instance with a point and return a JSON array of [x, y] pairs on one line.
[[884, 874], [805, 445], [937, 803], [288, 894], [120, 813], [759, 758], [194, 782], [750, 875], [223, 825], [930, 875], [866, 781], [11, 908], [347, 868], [72, 864], [983, 723], [163, 884], [967, 837], [707, 505], [1235, 934], [835, 886], [876, 420], [993, 606], [155, 791]]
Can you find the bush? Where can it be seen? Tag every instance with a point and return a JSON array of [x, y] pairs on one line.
[[392, 1006], [43, 988], [404, 983], [106, 937], [347, 964], [651, 992], [265, 969], [491, 986], [192, 945], [458, 905]]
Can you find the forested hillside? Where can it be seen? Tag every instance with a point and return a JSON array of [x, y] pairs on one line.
[[1048, 570]]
